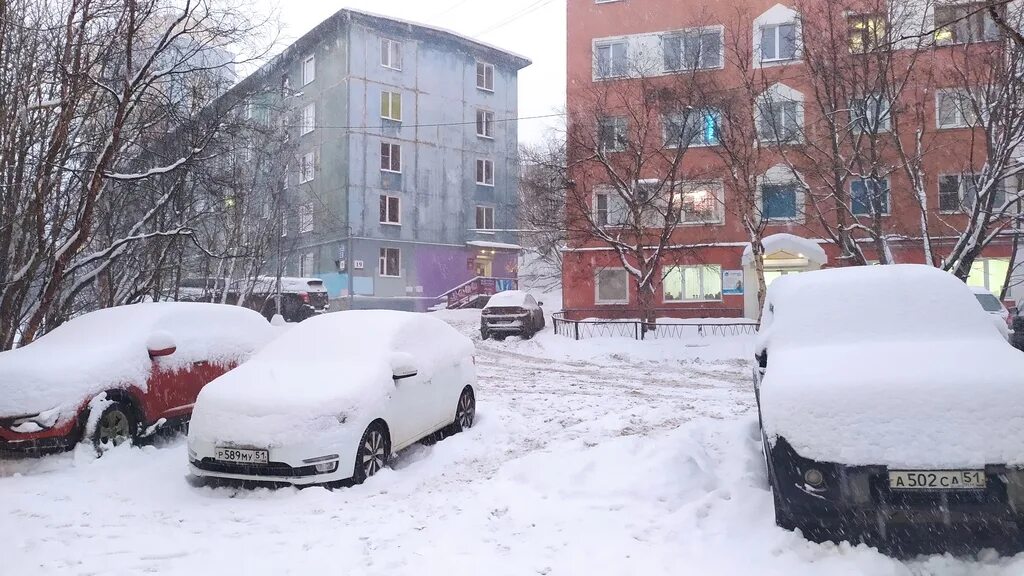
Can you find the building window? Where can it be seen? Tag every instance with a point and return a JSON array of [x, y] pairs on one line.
[[959, 192], [989, 273], [485, 123], [390, 157], [305, 218], [866, 32], [779, 201], [306, 264], [869, 196], [870, 114], [308, 118], [306, 167], [954, 109], [390, 210], [964, 23], [391, 106], [485, 172], [390, 262], [779, 119], [610, 59], [390, 54], [611, 286], [778, 42], [308, 69], [692, 283], [693, 50], [485, 76], [484, 218], [609, 209], [699, 203], [611, 134], [284, 224], [693, 128]]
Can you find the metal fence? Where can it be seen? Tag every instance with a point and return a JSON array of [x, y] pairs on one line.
[[638, 330]]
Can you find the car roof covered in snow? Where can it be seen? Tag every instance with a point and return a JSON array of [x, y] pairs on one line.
[[903, 301], [108, 348], [508, 298], [289, 284]]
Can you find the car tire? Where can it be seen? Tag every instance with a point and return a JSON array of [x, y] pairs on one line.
[[116, 425], [373, 453], [484, 334], [465, 411], [500, 337]]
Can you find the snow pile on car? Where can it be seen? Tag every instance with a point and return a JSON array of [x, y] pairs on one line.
[[890, 365], [108, 348], [321, 373], [508, 299]]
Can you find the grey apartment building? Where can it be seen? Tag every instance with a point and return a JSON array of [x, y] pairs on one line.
[[405, 177]]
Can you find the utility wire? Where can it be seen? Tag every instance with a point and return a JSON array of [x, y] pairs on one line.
[[529, 9]]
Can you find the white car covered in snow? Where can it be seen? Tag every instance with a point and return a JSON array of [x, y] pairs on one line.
[[333, 398], [887, 400], [996, 310]]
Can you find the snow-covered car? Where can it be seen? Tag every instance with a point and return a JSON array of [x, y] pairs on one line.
[[887, 400], [995, 308], [301, 298], [110, 375], [511, 312], [330, 400]]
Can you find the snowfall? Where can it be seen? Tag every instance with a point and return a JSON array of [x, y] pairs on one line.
[[607, 456]]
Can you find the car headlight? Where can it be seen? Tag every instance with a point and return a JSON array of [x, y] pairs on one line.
[[35, 423]]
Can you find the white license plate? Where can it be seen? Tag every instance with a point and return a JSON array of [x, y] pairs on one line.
[[239, 456], [937, 479]]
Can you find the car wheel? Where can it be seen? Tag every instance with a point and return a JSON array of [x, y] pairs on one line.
[[115, 426], [373, 453], [500, 337], [465, 412], [484, 334]]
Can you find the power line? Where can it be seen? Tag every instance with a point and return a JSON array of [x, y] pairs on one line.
[[434, 125], [516, 16]]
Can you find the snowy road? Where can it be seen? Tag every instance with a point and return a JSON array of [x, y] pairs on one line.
[[605, 457]]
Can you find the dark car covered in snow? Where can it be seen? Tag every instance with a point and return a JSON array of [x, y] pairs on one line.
[[301, 298], [512, 312]]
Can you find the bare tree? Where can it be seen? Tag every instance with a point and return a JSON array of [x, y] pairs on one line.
[[541, 206]]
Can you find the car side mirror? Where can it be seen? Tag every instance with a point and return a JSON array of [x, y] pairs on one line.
[[403, 366], [160, 344], [540, 303]]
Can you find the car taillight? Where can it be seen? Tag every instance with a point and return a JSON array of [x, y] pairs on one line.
[[304, 296]]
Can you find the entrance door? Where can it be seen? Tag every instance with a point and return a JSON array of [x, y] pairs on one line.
[[771, 275], [484, 268]]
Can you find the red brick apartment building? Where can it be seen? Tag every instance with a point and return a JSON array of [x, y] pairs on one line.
[[839, 132]]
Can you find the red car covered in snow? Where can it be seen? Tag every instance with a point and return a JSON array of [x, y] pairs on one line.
[[118, 374]]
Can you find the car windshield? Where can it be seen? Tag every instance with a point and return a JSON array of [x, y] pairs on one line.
[[989, 302]]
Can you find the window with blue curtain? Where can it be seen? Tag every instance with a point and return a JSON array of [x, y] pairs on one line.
[[778, 201], [865, 191]]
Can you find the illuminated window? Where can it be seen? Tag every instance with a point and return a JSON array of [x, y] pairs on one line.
[[867, 32], [692, 283]]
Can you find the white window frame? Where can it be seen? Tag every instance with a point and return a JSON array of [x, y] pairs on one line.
[[597, 287], [717, 190], [391, 218], [305, 218], [780, 175], [777, 15], [382, 263], [610, 44], [284, 224], [487, 211], [485, 67], [308, 69], [391, 157], [621, 126], [388, 112], [963, 181], [683, 35], [307, 161], [774, 95], [306, 264], [961, 119], [674, 119], [486, 167], [393, 49], [888, 196], [485, 122], [970, 12], [308, 119], [859, 122], [666, 270]]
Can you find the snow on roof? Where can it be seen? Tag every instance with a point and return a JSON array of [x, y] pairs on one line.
[[507, 298], [108, 348], [494, 245], [325, 367], [890, 365], [789, 243]]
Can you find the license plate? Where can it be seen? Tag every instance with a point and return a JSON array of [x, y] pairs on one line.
[[937, 479], [238, 456]]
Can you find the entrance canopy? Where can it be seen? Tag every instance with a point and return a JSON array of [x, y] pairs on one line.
[[800, 247]]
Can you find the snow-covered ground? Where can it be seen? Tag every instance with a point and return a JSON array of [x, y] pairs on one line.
[[598, 457]]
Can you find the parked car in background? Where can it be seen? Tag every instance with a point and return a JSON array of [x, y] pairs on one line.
[[203, 289], [107, 376], [301, 298], [887, 401], [511, 312], [331, 399], [995, 308]]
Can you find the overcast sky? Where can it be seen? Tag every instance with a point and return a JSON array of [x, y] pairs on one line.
[[532, 28]]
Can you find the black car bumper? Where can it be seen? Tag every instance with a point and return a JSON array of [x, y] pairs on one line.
[[36, 447]]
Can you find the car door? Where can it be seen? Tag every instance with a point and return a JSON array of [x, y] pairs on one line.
[[412, 410]]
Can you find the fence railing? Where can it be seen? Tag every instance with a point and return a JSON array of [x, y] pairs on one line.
[[639, 330]]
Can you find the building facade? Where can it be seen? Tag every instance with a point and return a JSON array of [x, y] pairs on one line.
[[639, 50], [404, 177]]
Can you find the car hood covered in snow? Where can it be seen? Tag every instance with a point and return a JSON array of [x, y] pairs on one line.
[[108, 349]]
